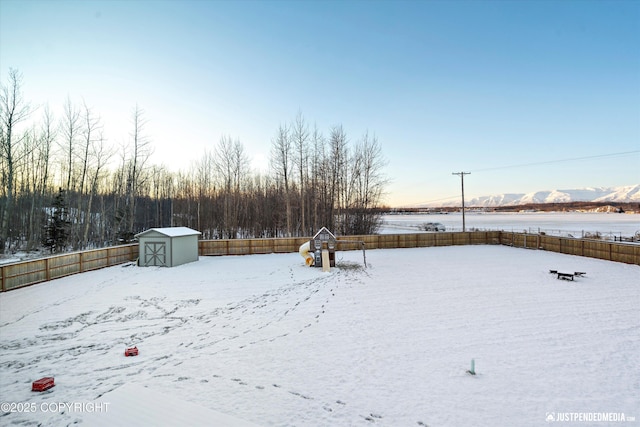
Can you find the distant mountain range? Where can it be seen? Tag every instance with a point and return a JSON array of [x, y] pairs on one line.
[[626, 194]]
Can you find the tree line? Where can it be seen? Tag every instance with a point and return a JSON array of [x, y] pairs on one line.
[[65, 186]]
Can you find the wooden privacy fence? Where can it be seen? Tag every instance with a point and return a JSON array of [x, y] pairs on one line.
[[629, 253], [377, 241], [27, 273], [250, 246]]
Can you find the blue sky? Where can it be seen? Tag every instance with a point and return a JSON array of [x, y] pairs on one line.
[[447, 86]]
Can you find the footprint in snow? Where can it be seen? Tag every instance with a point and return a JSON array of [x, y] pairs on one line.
[[295, 393], [372, 417]]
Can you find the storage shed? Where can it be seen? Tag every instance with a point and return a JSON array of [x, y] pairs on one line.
[[167, 247]]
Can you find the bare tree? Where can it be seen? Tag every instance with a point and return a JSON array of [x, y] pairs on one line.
[[231, 163], [338, 163], [71, 129], [185, 192], [29, 191], [119, 195], [141, 151], [36, 166], [161, 192], [87, 150], [13, 110], [367, 182], [319, 179], [205, 182], [282, 165], [48, 136], [91, 126], [101, 155], [300, 137]]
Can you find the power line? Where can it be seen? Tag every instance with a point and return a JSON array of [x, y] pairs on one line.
[[548, 162]]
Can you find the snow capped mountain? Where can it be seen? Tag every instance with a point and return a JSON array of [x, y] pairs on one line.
[[629, 193], [625, 194], [498, 200]]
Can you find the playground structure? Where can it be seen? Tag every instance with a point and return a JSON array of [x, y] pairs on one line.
[[320, 251]]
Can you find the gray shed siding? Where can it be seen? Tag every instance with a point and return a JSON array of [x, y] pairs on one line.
[[167, 247], [184, 249]]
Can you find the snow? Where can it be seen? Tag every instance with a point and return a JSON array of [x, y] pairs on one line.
[[172, 231], [623, 194], [267, 340], [630, 193], [123, 407], [556, 223]]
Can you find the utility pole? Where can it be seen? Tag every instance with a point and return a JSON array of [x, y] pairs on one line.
[[461, 175]]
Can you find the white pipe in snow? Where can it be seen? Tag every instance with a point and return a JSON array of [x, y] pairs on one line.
[[304, 250]]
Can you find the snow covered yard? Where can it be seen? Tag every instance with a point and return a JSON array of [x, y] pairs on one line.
[[268, 340]]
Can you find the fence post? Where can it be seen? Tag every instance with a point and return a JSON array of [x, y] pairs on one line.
[[2, 278]]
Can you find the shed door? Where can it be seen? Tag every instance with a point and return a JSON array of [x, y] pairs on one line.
[[155, 253]]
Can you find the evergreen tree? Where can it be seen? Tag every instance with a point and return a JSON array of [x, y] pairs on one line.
[[58, 227]]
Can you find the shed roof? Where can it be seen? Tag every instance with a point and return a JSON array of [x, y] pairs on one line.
[[171, 231]]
